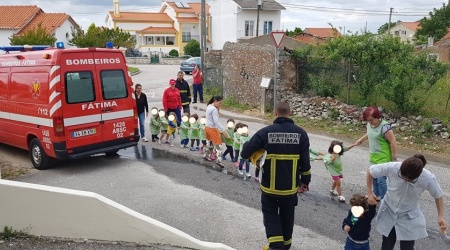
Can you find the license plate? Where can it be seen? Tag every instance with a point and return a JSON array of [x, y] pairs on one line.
[[85, 132]]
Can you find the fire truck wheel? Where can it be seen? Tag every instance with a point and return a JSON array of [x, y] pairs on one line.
[[38, 157]]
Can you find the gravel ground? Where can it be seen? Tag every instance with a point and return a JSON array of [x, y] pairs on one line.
[[41, 243]]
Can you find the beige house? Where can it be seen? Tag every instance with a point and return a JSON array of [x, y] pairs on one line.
[[172, 27], [405, 30]]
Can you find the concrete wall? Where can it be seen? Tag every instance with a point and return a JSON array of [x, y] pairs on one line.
[[67, 213]]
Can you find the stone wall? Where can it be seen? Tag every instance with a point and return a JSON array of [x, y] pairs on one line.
[[241, 67], [214, 68], [137, 60]]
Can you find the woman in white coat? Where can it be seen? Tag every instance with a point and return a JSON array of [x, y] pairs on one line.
[[399, 216]]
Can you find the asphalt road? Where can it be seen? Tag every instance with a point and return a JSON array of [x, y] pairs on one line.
[[175, 186]]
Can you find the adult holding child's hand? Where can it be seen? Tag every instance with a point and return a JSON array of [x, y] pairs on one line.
[[399, 216], [382, 145]]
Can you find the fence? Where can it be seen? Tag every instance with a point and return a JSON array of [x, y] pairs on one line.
[[327, 79]]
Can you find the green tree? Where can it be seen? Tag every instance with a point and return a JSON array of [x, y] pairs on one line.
[[36, 36], [383, 28], [384, 66], [99, 36], [294, 32], [192, 48], [436, 25]]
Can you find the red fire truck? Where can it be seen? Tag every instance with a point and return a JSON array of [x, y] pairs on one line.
[[66, 103]]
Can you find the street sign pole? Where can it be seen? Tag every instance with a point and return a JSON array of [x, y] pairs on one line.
[[277, 37], [275, 79]]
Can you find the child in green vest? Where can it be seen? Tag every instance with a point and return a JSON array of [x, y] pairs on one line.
[[202, 133], [229, 141], [236, 145], [184, 130], [164, 123], [155, 124], [245, 137], [194, 132], [333, 164]]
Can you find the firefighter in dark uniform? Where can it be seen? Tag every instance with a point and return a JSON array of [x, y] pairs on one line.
[[287, 160], [185, 92]]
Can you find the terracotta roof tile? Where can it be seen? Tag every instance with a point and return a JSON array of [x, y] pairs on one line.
[[15, 17], [50, 21], [188, 20], [141, 17], [323, 32], [411, 25], [309, 39], [194, 8], [158, 30]]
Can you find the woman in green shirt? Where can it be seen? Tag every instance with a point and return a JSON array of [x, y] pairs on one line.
[[382, 145]]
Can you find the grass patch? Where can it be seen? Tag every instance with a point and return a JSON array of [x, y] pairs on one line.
[[133, 70], [232, 103], [9, 232]]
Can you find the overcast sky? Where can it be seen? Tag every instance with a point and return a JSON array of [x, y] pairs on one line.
[[355, 15]]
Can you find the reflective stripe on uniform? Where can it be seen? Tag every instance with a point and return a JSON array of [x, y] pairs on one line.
[[275, 239], [278, 192], [306, 173], [273, 170], [185, 103], [288, 242]]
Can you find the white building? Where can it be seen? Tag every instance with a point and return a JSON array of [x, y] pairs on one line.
[[232, 20], [20, 19], [405, 30]]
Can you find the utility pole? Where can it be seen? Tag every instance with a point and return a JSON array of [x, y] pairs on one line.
[[257, 16], [389, 24], [203, 35]]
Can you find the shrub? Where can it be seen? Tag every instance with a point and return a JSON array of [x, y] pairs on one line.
[[173, 52], [192, 48]]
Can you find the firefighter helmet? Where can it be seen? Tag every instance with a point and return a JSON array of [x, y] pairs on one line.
[[258, 158]]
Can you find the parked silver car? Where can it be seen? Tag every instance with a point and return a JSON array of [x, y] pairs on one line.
[[188, 66]]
